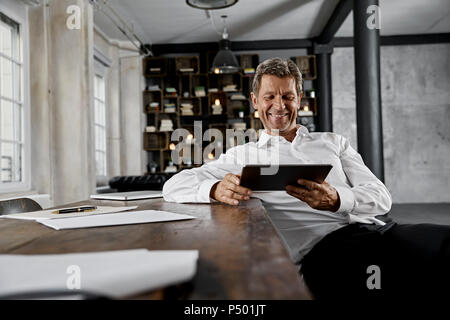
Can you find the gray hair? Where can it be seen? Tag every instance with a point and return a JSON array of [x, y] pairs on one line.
[[280, 68]]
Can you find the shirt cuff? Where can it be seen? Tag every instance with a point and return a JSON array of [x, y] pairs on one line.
[[205, 190], [347, 199]]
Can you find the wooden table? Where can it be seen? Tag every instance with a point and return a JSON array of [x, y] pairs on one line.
[[240, 253]]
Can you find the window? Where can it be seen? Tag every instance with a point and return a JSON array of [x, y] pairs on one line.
[[12, 142], [100, 125]]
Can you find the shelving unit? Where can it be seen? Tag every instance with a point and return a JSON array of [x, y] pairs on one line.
[[182, 90], [308, 104]]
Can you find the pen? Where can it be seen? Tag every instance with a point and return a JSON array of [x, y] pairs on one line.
[[76, 209]]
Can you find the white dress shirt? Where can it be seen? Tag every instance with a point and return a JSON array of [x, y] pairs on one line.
[[362, 195]]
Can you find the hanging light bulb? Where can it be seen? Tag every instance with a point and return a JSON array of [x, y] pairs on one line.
[[225, 61], [211, 4]]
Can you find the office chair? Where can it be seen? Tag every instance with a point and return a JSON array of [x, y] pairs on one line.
[[18, 206]]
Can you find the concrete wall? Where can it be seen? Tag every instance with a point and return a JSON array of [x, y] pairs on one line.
[[416, 114]]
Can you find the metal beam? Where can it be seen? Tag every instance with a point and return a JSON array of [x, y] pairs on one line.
[[368, 89], [401, 40], [338, 16], [323, 84], [235, 46], [296, 43]]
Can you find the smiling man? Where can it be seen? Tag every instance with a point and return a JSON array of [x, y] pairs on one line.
[[331, 230]]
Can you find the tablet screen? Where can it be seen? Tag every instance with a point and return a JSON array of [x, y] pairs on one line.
[[254, 177]]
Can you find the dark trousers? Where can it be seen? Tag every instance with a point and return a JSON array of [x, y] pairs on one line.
[[394, 261]]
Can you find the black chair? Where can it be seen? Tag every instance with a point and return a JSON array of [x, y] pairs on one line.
[[139, 183], [18, 206]]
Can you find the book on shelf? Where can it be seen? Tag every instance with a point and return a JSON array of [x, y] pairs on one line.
[[155, 70], [213, 90], [166, 125], [186, 69], [153, 88], [150, 129], [229, 88], [249, 70], [170, 108], [200, 91], [171, 92], [186, 109], [153, 106], [237, 96]]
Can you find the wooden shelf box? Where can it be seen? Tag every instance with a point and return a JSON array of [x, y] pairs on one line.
[[150, 97], [307, 66], [248, 63], [156, 141], [155, 66], [187, 65]]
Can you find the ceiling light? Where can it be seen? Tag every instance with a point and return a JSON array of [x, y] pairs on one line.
[[211, 4], [225, 61]]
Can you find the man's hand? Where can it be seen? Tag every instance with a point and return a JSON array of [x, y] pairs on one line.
[[229, 191], [317, 196]]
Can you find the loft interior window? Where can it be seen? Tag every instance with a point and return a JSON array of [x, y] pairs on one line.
[[11, 104], [100, 125]]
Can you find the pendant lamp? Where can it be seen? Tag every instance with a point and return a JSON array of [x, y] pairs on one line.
[[211, 4], [225, 61]]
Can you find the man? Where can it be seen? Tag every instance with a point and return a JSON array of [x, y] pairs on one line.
[[331, 229]]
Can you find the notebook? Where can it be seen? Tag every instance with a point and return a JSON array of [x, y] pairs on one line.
[[125, 196]]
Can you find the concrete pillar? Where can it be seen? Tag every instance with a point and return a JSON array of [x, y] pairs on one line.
[[40, 114], [113, 104], [66, 155], [132, 115]]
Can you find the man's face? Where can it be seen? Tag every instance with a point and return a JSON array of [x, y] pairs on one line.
[[277, 103]]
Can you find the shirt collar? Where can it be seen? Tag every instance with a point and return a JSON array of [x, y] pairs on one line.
[[265, 137]]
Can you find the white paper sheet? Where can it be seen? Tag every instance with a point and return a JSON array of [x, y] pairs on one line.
[[114, 219], [47, 214], [111, 273]]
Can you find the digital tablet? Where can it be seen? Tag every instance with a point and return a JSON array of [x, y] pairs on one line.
[[258, 177]]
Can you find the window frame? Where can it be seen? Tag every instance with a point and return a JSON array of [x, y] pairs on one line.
[[19, 14], [101, 126]]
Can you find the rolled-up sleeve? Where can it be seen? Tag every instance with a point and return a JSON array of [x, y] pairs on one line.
[[194, 185], [366, 196]]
